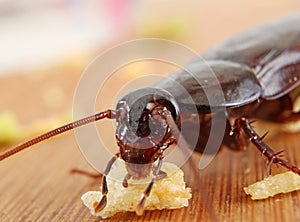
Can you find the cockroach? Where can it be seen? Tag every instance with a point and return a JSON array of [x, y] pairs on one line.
[[258, 72]]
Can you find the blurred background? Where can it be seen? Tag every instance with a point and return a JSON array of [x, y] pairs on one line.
[[44, 32], [47, 45]]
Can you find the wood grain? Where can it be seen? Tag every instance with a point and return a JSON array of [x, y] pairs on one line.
[[36, 185]]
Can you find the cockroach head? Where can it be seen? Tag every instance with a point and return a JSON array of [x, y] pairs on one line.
[[136, 106], [140, 122]]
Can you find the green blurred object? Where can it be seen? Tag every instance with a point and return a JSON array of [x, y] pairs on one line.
[[9, 128]]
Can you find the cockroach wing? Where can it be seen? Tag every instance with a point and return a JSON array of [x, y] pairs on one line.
[[213, 85], [272, 51], [259, 45], [281, 75]]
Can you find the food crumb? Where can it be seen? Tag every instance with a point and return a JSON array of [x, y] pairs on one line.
[[273, 185], [167, 193]]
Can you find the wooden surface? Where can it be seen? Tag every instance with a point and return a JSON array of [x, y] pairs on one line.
[[36, 185]]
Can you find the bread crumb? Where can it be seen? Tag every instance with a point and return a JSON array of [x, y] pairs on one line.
[[167, 193], [272, 185]]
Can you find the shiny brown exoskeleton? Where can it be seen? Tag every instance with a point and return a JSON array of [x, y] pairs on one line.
[[259, 76]]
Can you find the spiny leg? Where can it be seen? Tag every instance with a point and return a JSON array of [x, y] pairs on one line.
[[243, 125], [141, 206], [180, 140], [98, 206]]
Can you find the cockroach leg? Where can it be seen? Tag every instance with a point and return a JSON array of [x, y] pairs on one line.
[[182, 144], [243, 125], [98, 206], [161, 175], [125, 180], [141, 206], [270, 164]]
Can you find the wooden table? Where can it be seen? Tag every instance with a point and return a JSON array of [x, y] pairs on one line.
[[36, 185]]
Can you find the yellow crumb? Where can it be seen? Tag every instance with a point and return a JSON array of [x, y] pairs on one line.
[[167, 193], [270, 186]]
